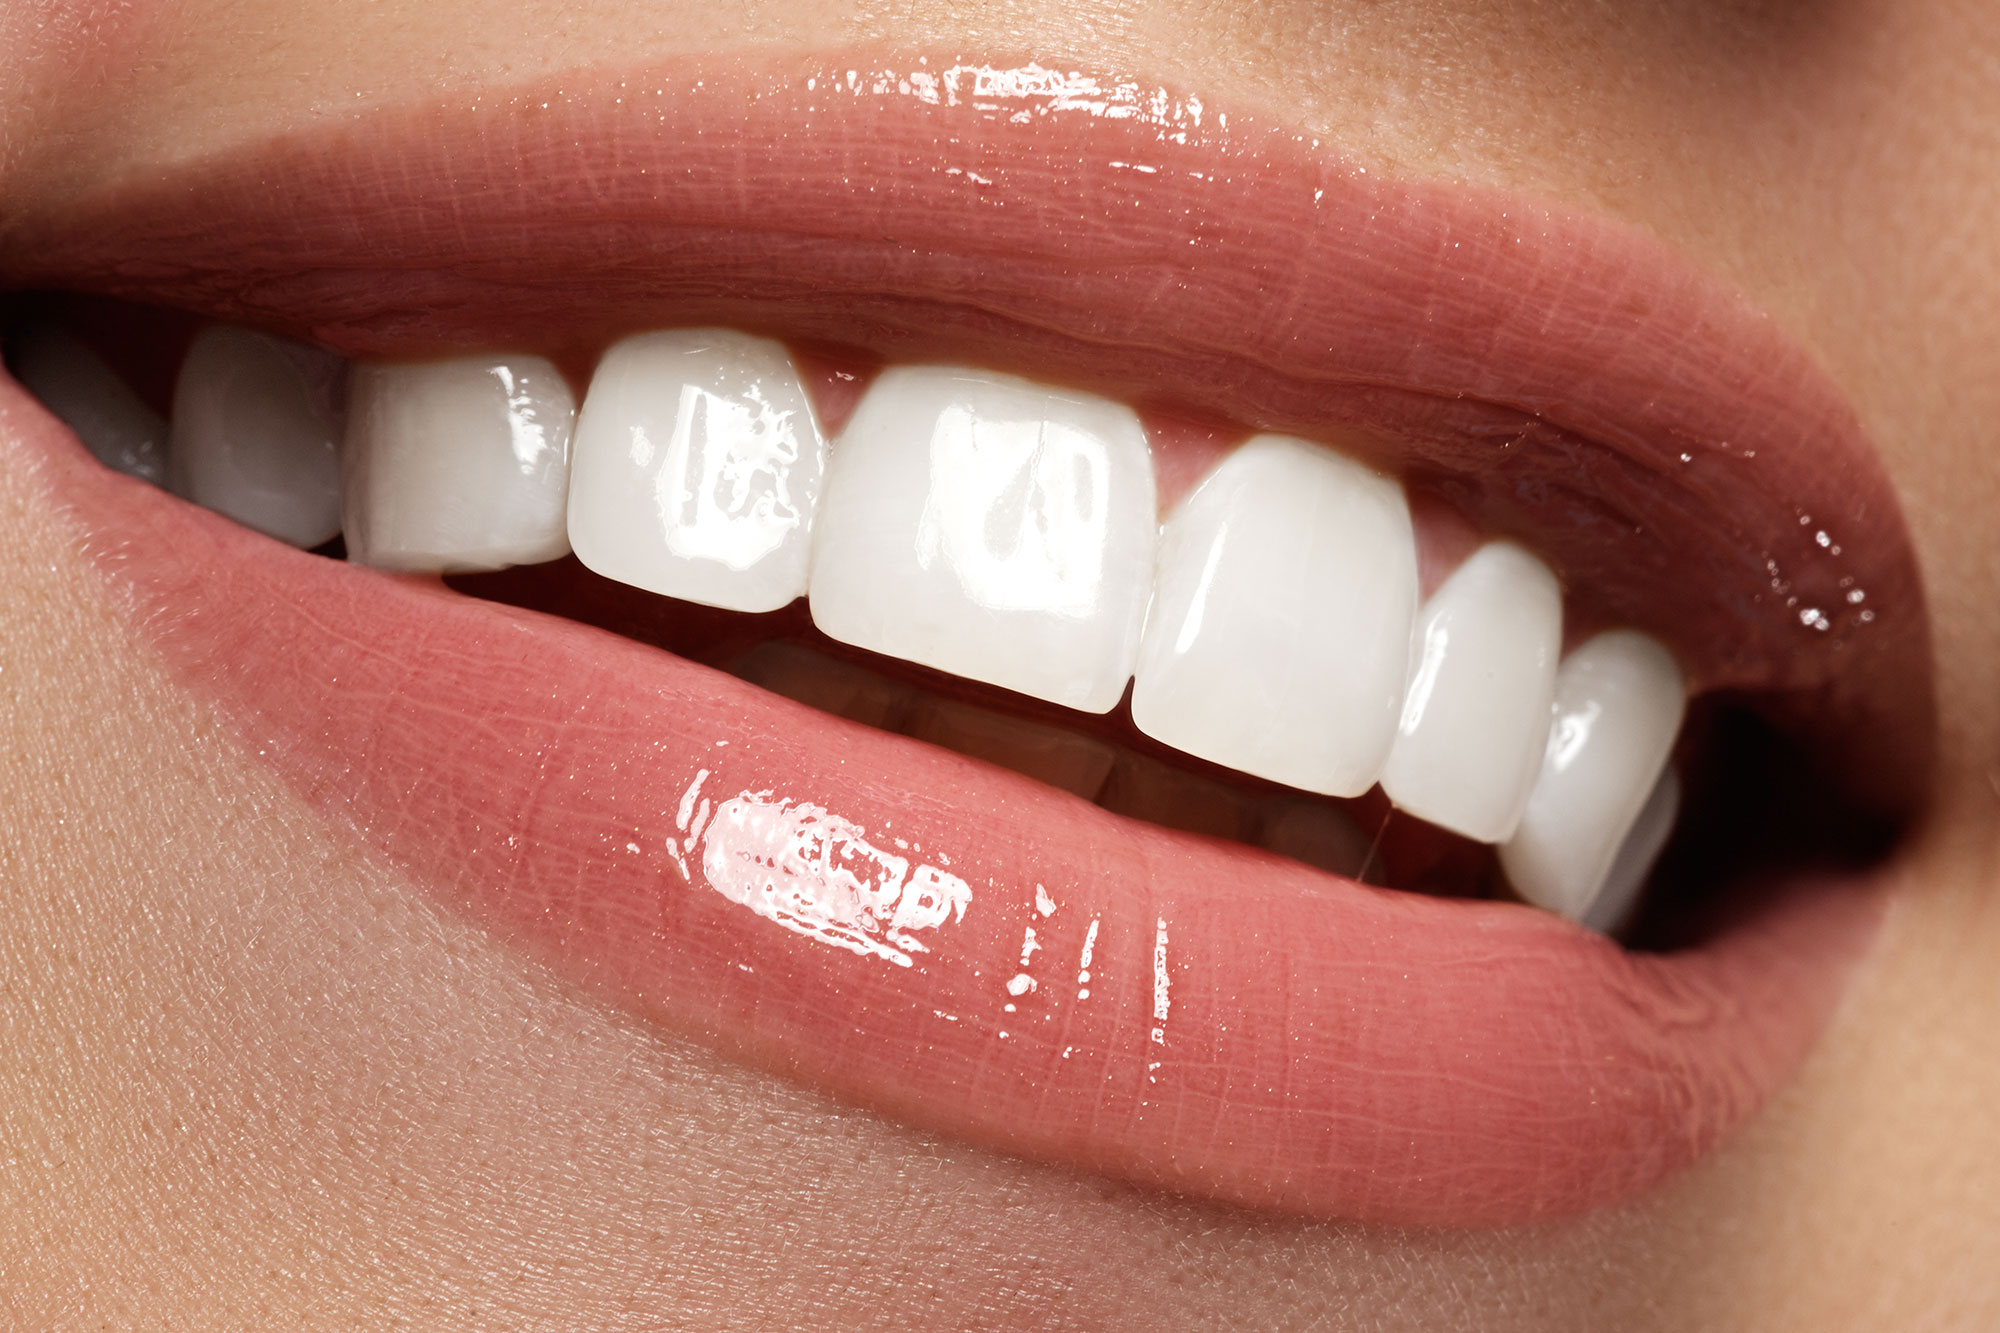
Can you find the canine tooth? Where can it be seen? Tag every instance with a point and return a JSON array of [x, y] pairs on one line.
[[989, 527], [828, 684], [1618, 706], [89, 397], [256, 434], [1316, 833], [1060, 758], [1279, 639], [1476, 718], [698, 463], [1144, 788], [1636, 858], [457, 465]]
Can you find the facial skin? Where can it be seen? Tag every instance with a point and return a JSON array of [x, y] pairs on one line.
[[250, 1077]]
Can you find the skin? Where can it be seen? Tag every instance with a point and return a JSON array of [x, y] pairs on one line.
[[250, 1077]]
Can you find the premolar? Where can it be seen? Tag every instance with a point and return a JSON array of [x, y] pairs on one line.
[[256, 434], [697, 470], [1613, 907], [992, 528], [1618, 705], [89, 397], [1278, 642], [457, 465]]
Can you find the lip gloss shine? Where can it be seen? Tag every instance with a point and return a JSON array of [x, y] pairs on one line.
[[950, 943]]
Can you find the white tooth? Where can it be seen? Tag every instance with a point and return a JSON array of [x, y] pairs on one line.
[[992, 528], [1618, 706], [825, 683], [88, 396], [1316, 833], [457, 465], [1476, 718], [256, 434], [1634, 862], [1145, 788], [1060, 758], [1279, 639], [697, 471]]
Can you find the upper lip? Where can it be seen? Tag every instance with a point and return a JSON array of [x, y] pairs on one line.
[[1562, 378]]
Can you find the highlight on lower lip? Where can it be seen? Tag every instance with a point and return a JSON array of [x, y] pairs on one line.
[[813, 873]]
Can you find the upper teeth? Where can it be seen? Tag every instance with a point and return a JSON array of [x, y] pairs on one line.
[[256, 434], [1279, 637], [697, 470], [986, 526], [457, 465], [993, 529]]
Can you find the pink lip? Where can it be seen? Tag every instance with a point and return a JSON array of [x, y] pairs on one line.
[[1252, 1031]]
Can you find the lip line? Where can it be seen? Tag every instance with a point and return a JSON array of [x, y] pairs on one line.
[[1679, 1100]]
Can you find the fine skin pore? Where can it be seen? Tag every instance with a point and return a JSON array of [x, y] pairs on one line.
[[251, 1077]]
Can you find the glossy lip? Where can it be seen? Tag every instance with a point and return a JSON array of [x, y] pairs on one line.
[[1252, 1030]]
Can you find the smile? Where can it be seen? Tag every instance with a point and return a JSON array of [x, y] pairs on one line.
[[1038, 605]]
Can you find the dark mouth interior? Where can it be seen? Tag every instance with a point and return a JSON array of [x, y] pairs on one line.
[[1756, 809]]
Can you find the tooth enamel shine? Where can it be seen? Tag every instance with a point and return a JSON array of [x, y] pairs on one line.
[[457, 465], [1476, 717], [1618, 706], [697, 471], [992, 528], [1278, 642]]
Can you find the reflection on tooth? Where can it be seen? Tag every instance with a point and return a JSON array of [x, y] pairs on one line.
[[698, 465], [992, 528], [1634, 863], [1618, 706], [1316, 833], [1144, 788], [1476, 718], [457, 465], [1278, 642], [1060, 758], [825, 683], [256, 434], [90, 398]]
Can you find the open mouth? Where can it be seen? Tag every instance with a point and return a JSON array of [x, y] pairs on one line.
[[1248, 612]]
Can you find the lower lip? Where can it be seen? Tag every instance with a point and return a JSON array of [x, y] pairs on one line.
[[1112, 996]]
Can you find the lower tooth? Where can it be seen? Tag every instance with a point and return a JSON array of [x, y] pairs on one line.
[[1077, 764], [1618, 706], [88, 396], [256, 435], [1147, 789], [457, 465], [832, 686], [1279, 638], [698, 463], [1317, 834]]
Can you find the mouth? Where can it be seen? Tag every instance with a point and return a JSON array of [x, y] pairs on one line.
[[1043, 607]]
